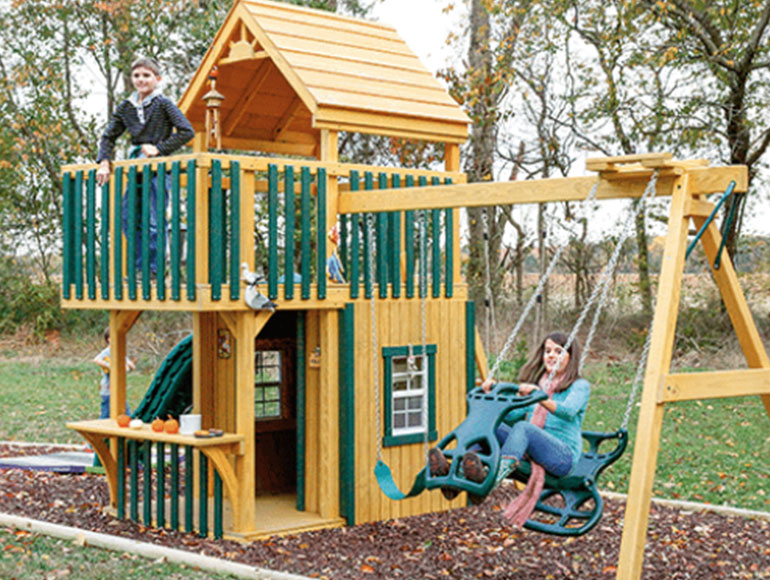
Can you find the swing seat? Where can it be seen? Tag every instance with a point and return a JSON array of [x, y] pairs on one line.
[[485, 412], [578, 514]]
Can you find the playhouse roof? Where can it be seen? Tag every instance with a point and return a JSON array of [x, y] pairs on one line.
[[287, 71]]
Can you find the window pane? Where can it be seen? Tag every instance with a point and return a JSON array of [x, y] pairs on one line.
[[399, 420], [400, 385], [415, 403], [415, 419], [399, 404], [259, 394], [416, 382], [399, 364], [267, 366]]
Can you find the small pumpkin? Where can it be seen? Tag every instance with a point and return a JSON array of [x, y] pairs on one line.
[[123, 420], [171, 425], [157, 425]]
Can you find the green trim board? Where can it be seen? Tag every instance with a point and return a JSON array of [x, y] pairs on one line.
[[388, 353], [347, 414]]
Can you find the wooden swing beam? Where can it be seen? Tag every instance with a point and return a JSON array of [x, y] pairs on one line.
[[624, 183]]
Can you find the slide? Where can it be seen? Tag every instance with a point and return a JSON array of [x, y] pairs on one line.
[[170, 392]]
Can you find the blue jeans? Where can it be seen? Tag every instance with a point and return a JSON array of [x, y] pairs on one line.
[[153, 225], [542, 447], [105, 410]]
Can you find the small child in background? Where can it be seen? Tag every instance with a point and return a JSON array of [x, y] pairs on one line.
[[103, 361]]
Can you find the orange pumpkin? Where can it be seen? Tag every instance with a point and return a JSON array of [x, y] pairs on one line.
[[172, 425], [123, 420], [157, 425]]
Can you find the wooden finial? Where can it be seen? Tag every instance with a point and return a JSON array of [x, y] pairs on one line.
[[213, 100]]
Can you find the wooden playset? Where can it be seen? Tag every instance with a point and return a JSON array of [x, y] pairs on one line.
[[340, 374]]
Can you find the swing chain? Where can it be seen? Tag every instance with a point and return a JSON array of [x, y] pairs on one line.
[[375, 358], [489, 295], [602, 288], [538, 291], [637, 379], [604, 281]]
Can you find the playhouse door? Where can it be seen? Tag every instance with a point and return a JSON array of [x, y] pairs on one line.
[[275, 415]]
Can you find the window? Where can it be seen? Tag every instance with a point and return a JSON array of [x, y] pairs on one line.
[[267, 384], [409, 394]]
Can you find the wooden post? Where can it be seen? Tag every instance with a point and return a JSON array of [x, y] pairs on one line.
[[121, 322], [658, 365], [330, 154], [246, 329], [452, 163], [328, 386]]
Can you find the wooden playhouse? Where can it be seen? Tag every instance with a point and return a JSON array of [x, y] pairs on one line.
[[294, 388]]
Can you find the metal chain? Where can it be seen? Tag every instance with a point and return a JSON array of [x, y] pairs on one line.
[[375, 358], [609, 269], [489, 296], [423, 329], [648, 192], [637, 378], [533, 299]]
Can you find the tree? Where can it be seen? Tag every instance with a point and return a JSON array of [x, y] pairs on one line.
[[723, 49]]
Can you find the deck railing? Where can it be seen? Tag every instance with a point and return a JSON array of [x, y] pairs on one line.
[[224, 210]]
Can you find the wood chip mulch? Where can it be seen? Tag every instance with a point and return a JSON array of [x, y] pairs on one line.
[[472, 542]]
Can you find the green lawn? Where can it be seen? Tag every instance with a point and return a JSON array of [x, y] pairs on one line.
[[715, 451], [37, 400], [27, 555]]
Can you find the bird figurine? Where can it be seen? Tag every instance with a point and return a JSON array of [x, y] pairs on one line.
[[252, 296]]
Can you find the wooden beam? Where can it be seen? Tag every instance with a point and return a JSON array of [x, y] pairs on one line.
[[121, 322], [279, 147], [658, 364], [735, 302], [248, 95], [287, 117], [535, 191], [714, 385], [609, 163]]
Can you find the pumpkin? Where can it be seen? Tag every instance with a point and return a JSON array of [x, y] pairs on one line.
[[172, 425], [123, 420], [157, 425]]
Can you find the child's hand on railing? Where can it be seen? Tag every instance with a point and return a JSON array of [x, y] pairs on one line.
[[150, 150], [103, 173]]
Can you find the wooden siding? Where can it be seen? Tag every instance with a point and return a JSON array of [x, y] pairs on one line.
[[445, 327]]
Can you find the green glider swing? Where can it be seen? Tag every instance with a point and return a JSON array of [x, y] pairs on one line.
[[581, 506]]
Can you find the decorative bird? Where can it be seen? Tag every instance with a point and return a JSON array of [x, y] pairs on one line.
[[252, 296]]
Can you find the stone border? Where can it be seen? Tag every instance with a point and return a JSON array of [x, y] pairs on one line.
[[693, 506]]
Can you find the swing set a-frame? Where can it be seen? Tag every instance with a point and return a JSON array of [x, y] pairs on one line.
[[687, 183]]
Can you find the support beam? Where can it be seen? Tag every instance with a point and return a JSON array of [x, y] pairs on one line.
[[632, 185], [658, 365], [735, 302], [715, 384], [121, 322]]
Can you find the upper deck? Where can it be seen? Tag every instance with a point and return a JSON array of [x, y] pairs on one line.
[[274, 215]]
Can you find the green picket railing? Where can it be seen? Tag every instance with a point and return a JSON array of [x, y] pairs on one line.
[[290, 237], [137, 469]]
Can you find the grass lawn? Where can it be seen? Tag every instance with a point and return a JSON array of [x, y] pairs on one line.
[[38, 399], [28, 555], [715, 451]]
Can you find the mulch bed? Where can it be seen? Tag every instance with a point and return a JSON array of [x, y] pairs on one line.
[[473, 542]]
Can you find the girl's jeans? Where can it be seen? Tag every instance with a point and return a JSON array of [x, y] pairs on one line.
[[105, 409], [153, 225], [542, 447]]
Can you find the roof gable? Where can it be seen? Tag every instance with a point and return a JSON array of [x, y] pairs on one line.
[[288, 71]]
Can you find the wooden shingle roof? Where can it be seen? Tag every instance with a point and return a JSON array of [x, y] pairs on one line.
[[288, 71]]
